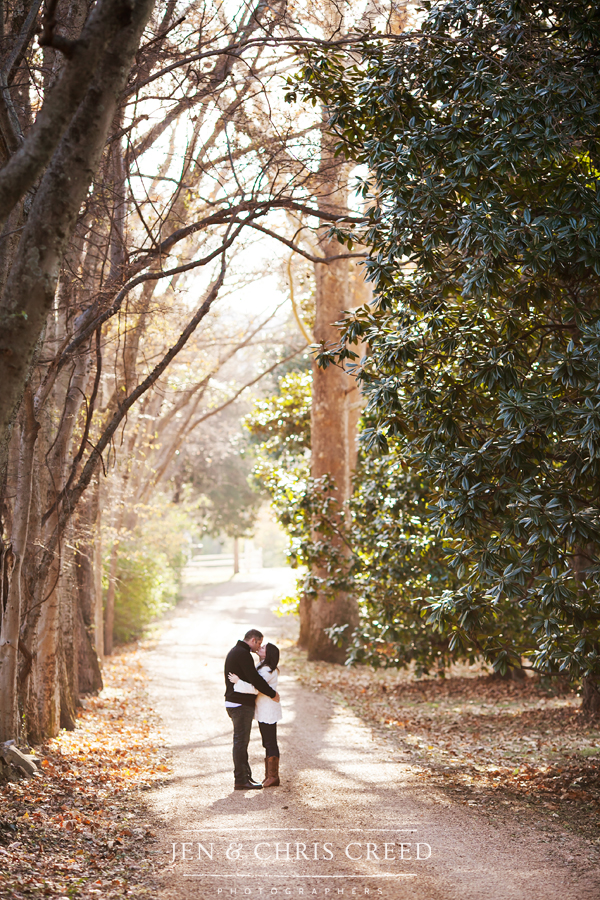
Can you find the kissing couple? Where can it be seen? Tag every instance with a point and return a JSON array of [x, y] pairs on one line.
[[251, 693]]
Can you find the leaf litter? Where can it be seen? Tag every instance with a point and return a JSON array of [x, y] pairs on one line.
[[504, 746], [81, 828]]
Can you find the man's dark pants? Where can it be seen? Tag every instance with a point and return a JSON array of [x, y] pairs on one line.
[[242, 717]]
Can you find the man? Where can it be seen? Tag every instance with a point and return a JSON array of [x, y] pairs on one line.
[[240, 707]]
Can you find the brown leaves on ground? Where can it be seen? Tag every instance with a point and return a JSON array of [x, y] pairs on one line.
[[79, 829], [485, 741]]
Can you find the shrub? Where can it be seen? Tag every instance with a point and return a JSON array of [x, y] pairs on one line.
[[146, 586]]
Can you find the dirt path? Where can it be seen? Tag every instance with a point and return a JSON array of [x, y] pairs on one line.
[[346, 801]]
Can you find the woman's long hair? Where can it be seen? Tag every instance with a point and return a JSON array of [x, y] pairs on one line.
[[271, 657]]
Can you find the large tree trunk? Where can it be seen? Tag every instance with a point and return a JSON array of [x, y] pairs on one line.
[[68, 649], [32, 609], [31, 285], [87, 626], [56, 653], [331, 453], [11, 614], [97, 626], [47, 687], [590, 697]]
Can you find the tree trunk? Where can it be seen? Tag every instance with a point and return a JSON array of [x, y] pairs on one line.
[[109, 608], [97, 626], [31, 608], [590, 696], [89, 672], [304, 609], [47, 656], [236, 556], [330, 451], [31, 285], [88, 664], [11, 614], [68, 645], [57, 654]]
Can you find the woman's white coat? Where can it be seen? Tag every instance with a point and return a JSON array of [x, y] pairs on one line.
[[265, 709]]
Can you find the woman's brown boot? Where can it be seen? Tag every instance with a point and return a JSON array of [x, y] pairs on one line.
[[272, 779]]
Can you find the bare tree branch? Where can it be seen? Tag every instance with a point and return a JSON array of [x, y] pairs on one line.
[[71, 499], [27, 164]]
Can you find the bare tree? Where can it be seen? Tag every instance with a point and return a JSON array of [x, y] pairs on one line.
[[166, 152]]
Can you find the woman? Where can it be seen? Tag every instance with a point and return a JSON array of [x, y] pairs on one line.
[[266, 711]]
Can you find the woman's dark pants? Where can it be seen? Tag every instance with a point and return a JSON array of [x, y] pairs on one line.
[[269, 738], [242, 717]]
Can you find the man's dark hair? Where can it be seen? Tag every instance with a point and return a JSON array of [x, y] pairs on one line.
[[253, 633]]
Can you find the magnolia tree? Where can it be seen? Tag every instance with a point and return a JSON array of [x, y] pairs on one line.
[[480, 129]]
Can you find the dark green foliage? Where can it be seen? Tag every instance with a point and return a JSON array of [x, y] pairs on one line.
[[481, 133], [397, 563], [383, 551]]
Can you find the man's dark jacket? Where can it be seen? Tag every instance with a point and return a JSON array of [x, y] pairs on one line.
[[239, 661]]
